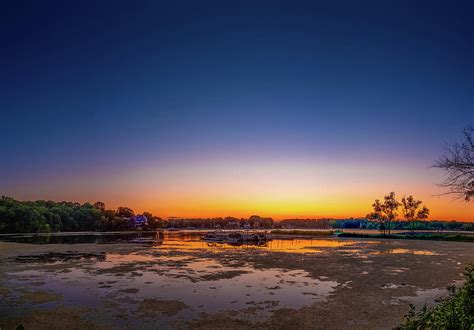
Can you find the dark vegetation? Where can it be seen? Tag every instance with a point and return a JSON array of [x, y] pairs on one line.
[[253, 222], [48, 216], [385, 213], [455, 312], [368, 224]]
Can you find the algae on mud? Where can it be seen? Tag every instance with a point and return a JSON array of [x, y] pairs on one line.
[[185, 283]]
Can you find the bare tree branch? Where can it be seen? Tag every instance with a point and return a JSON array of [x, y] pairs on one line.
[[458, 163]]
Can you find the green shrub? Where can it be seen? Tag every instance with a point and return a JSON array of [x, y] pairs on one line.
[[454, 312]]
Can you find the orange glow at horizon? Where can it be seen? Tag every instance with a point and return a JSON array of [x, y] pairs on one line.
[[290, 189]]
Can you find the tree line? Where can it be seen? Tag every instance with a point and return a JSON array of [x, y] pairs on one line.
[[253, 222], [364, 223], [49, 216]]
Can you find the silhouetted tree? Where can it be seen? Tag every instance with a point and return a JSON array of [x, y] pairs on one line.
[[384, 213], [413, 211], [100, 206], [124, 212], [390, 207], [257, 221], [378, 216], [458, 162], [153, 222]]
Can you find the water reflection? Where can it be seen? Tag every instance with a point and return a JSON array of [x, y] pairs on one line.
[[406, 251], [306, 245], [184, 241], [83, 238], [413, 251], [175, 276], [200, 284], [277, 245]]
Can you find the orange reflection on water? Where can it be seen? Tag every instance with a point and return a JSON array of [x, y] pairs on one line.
[[305, 245], [406, 251], [412, 251], [192, 242]]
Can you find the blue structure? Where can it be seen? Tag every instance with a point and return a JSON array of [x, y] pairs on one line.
[[140, 221]]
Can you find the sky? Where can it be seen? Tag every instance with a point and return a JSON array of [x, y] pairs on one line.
[[233, 108]]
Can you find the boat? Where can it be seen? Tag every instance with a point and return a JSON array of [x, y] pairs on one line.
[[236, 237], [256, 237]]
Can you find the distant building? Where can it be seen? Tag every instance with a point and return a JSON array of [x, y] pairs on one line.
[[139, 221], [233, 224]]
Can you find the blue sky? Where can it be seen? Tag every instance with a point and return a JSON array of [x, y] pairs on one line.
[[97, 86]]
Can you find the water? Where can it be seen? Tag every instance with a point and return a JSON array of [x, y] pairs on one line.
[[171, 278], [78, 238], [165, 269], [167, 240], [203, 286]]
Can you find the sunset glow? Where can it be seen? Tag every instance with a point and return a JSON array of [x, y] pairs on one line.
[[279, 189]]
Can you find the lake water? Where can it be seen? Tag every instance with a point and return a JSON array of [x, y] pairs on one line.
[[174, 279]]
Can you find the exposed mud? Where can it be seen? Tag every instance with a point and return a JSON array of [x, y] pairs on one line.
[[59, 318], [4, 291], [38, 297], [57, 257], [154, 307], [187, 284]]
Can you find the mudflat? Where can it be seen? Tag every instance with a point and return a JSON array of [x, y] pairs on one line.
[[182, 282]]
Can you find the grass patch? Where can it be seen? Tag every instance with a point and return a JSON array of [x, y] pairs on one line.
[[302, 232], [454, 312], [430, 237]]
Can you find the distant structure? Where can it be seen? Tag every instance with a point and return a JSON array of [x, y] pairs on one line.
[[139, 221]]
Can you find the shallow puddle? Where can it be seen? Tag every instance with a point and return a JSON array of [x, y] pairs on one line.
[[169, 279], [297, 245], [305, 245], [187, 241], [413, 251], [407, 251], [200, 285]]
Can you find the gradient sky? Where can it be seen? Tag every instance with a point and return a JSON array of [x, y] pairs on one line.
[[198, 108]]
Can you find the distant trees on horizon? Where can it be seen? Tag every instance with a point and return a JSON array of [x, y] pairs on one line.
[[253, 222], [49, 216]]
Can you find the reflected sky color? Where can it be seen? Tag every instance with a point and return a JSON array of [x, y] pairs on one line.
[[201, 109]]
